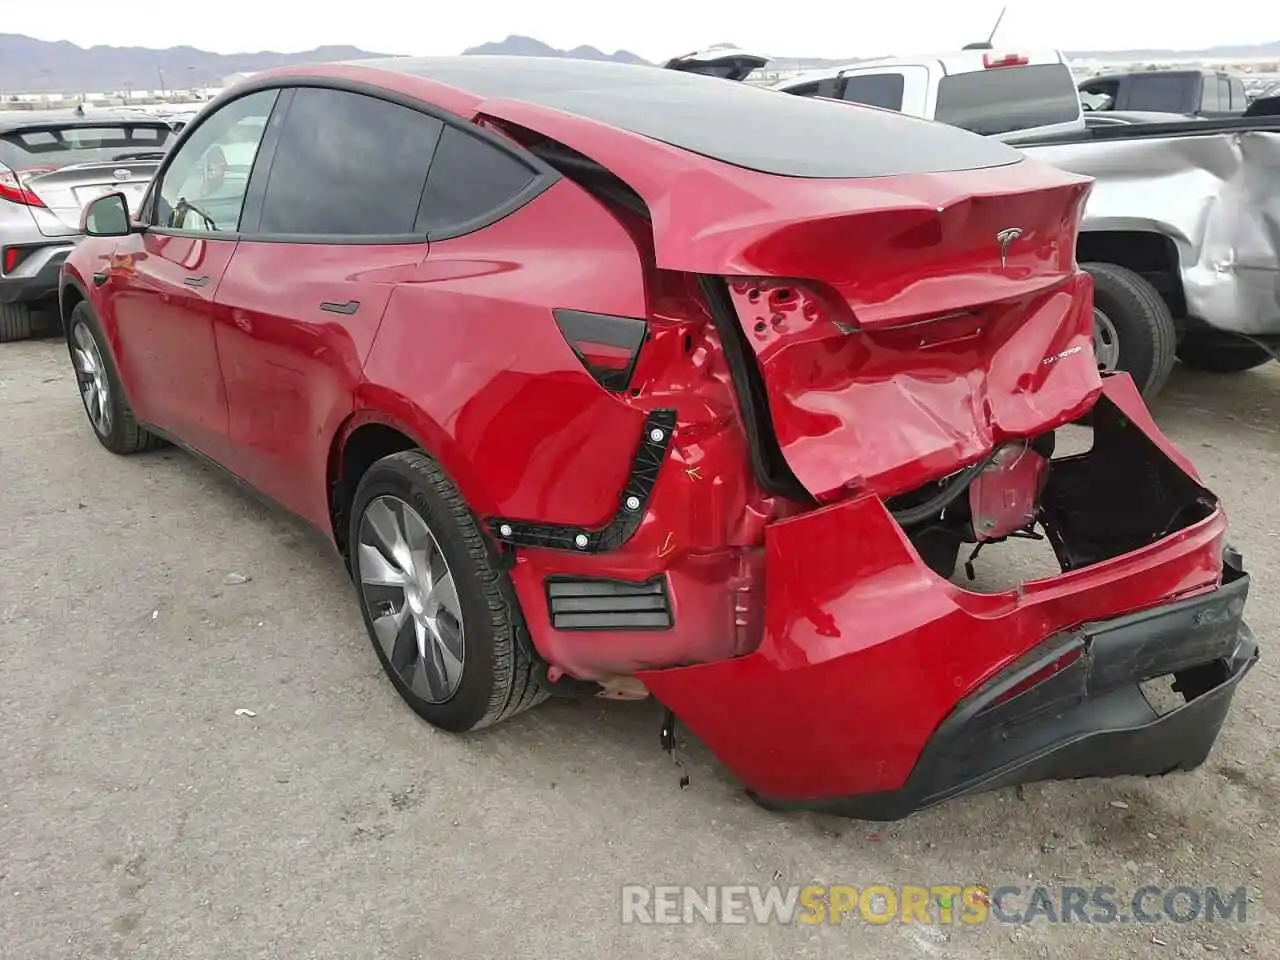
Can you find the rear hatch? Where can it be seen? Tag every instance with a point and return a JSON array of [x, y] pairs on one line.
[[896, 346], [902, 295], [64, 165]]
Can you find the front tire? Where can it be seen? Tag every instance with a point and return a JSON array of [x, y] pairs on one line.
[[444, 622], [1133, 328], [105, 405]]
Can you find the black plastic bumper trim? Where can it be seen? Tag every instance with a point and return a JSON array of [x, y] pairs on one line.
[[1091, 718], [655, 440], [41, 285], [593, 604]]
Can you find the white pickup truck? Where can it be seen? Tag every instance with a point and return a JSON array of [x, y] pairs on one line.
[[1179, 232], [987, 91]]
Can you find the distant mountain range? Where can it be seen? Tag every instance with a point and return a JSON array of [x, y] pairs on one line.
[[38, 66], [1229, 52], [517, 46]]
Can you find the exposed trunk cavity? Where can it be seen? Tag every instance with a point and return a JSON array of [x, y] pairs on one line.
[[1119, 495]]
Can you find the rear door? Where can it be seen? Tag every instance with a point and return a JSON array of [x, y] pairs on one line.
[[159, 288], [333, 226]]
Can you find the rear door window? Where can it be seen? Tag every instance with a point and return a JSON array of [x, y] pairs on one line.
[[1209, 96], [1239, 101], [348, 165], [471, 182], [875, 89], [1005, 99], [1161, 94]]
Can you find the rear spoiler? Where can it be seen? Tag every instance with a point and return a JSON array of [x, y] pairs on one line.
[[727, 63]]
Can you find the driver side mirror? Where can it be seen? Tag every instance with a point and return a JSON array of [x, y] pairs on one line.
[[107, 216]]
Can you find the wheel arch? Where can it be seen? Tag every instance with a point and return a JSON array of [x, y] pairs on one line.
[[71, 293], [1148, 248], [378, 429]]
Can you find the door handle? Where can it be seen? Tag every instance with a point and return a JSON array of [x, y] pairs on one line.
[[347, 309], [195, 281]]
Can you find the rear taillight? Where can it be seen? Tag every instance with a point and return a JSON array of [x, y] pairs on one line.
[[607, 345], [11, 258], [13, 189], [1007, 60]]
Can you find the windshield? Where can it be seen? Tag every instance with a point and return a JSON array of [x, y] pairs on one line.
[[1005, 99], [53, 146]]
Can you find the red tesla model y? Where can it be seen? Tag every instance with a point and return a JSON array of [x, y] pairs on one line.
[[612, 379]]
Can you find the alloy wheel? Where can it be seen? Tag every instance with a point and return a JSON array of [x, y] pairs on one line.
[[91, 373], [412, 600], [1106, 342]]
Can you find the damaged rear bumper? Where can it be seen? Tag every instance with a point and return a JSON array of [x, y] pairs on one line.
[[1090, 718], [880, 688]]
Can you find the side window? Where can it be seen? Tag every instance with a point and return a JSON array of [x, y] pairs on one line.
[[1160, 93], [203, 189], [348, 165], [1209, 95], [875, 89], [470, 180], [1110, 89], [1239, 101]]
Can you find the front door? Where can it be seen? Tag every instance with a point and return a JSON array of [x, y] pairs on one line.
[[160, 289], [166, 277], [335, 231]]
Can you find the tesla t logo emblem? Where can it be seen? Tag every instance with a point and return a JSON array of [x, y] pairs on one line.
[[1004, 238], [122, 174]]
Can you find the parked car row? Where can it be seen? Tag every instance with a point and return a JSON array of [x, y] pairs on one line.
[[597, 391]]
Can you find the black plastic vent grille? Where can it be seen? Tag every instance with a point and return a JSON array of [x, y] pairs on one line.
[[580, 604]]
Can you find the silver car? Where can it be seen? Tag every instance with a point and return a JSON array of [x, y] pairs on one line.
[[51, 165]]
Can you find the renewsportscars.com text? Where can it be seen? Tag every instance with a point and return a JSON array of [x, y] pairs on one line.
[[936, 904]]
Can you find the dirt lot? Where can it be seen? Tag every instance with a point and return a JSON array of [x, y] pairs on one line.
[[141, 816]]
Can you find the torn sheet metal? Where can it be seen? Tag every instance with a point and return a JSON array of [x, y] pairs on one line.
[[1217, 197]]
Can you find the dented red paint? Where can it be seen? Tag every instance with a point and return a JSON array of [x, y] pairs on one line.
[[866, 650], [812, 649]]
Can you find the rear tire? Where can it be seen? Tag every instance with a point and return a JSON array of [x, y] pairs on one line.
[[101, 393], [1145, 336], [459, 656], [1221, 353], [16, 322]]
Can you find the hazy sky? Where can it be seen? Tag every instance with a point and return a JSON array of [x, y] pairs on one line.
[[655, 29]]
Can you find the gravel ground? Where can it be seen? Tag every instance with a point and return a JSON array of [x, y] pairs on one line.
[[142, 817]]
